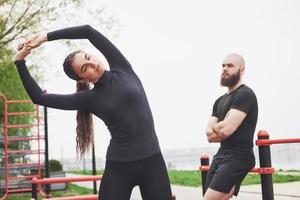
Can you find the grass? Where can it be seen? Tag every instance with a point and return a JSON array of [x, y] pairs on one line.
[[185, 177], [87, 172], [72, 190], [193, 178]]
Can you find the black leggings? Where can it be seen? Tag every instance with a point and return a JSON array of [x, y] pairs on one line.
[[149, 174]]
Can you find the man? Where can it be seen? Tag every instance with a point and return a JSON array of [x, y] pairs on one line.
[[232, 124]]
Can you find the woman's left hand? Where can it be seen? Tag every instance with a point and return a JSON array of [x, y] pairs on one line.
[[37, 40]]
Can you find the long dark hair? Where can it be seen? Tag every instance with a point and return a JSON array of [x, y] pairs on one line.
[[84, 129]]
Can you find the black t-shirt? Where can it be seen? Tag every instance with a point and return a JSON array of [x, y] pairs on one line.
[[118, 98], [243, 99]]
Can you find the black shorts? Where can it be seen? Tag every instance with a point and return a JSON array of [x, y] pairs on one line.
[[229, 169]]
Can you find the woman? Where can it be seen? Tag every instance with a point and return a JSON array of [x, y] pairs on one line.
[[133, 156]]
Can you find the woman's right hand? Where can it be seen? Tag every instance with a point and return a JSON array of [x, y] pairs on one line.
[[23, 51], [37, 40]]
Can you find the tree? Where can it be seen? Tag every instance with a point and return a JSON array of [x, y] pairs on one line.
[[55, 166], [18, 15], [21, 18], [11, 86]]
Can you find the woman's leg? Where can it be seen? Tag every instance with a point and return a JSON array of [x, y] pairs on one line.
[[116, 183], [154, 181]]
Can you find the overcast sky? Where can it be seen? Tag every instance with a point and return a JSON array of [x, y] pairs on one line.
[[176, 48]]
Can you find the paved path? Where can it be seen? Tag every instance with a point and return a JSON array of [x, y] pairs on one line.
[[282, 191]]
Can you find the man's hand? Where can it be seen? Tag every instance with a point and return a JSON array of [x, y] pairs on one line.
[[231, 122], [212, 136], [23, 51]]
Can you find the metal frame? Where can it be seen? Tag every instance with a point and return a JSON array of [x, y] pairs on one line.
[[7, 153], [266, 170]]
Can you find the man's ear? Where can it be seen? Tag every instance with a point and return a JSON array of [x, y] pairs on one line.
[[242, 71]]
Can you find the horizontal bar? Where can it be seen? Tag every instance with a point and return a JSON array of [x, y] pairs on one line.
[[25, 151], [23, 167], [66, 179], [277, 141], [22, 164], [25, 138], [19, 190], [265, 170], [21, 177], [83, 197], [21, 113], [21, 125], [18, 101]]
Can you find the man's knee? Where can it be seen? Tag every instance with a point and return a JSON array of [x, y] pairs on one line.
[[211, 194]]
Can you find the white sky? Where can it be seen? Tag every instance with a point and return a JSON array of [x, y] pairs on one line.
[[177, 47]]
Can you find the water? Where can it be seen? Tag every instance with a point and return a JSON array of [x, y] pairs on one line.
[[285, 156]]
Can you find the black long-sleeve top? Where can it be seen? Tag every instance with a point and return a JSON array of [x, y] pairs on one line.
[[118, 98]]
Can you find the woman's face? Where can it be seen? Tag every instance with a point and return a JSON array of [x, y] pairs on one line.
[[87, 67]]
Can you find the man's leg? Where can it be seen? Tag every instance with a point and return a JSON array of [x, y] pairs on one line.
[[211, 194], [228, 177]]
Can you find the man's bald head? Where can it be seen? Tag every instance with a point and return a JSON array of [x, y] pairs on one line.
[[233, 70], [236, 60]]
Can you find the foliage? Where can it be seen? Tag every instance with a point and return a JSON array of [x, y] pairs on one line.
[[21, 18], [11, 85], [12, 88], [55, 166], [19, 15]]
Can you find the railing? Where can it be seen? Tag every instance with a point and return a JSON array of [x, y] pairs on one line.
[[7, 138], [266, 170], [35, 182]]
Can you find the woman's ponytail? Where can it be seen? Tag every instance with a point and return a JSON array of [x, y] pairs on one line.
[[84, 129]]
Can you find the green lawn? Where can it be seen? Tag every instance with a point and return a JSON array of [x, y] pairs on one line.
[[193, 178], [87, 172], [73, 190]]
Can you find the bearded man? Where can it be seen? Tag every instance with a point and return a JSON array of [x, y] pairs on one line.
[[232, 124]]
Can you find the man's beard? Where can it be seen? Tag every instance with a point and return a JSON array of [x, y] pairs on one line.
[[231, 80]]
